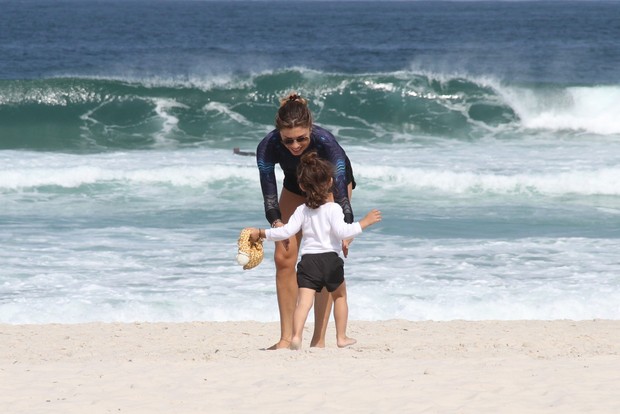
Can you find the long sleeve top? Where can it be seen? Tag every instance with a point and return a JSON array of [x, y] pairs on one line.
[[323, 228], [271, 151]]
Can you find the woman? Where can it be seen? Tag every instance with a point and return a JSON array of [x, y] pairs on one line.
[[294, 135]]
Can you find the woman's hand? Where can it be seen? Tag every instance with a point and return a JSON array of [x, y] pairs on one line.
[[345, 247], [276, 224], [285, 243]]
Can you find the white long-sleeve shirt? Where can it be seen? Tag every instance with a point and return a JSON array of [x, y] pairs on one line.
[[323, 228]]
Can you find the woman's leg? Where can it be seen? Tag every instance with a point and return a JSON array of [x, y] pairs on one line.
[[286, 274], [322, 309]]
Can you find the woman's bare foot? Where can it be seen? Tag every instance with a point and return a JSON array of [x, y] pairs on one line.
[[318, 344], [346, 342], [282, 344]]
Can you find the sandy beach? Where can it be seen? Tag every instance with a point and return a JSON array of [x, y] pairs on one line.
[[211, 367]]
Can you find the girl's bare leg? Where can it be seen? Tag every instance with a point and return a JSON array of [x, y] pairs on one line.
[[341, 316], [304, 303], [322, 311], [323, 308], [285, 258]]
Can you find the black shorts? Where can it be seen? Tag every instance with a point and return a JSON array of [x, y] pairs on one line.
[[319, 270], [291, 184]]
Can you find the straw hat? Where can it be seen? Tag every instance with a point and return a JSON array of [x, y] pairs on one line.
[[250, 254]]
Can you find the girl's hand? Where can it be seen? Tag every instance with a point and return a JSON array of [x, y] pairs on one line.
[[254, 234], [373, 217]]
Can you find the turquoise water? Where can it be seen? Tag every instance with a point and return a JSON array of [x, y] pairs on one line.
[[493, 158]]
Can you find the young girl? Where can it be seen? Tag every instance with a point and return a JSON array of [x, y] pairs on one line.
[[323, 229]]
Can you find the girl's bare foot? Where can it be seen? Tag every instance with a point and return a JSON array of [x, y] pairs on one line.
[[346, 342], [295, 344], [282, 344]]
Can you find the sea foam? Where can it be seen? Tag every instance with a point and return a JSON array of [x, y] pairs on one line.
[[591, 109]]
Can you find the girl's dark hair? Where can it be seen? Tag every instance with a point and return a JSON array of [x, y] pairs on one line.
[[314, 175], [293, 113]]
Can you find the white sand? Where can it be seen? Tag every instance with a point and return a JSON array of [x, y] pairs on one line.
[[399, 366]]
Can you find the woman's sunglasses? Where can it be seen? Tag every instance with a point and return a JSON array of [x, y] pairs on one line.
[[289, 141]]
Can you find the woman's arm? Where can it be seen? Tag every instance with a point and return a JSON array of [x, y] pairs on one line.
[[266, 161], [333, 152]]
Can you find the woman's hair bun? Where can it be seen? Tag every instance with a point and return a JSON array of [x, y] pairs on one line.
[[293, 97], [293, 112]]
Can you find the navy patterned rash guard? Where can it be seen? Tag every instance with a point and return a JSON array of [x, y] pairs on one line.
[[271, 151]]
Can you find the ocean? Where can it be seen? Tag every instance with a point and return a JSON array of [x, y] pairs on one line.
[[488, 134]]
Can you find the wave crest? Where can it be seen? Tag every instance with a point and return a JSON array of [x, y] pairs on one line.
[[93, 114]]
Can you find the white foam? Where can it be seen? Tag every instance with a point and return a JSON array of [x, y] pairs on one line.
[[170, 122], [602, 181], [197, 168], [224, 109], [166, 275], [180, 168], [591, 109]]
